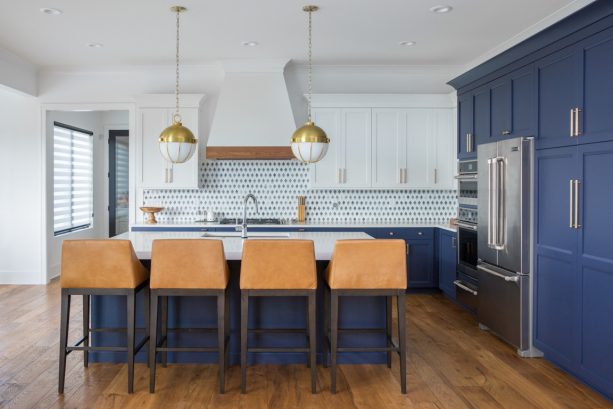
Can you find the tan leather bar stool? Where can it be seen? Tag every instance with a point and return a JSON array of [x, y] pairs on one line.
[[101, 267], [188, 268], [278, 268], [367, 268]]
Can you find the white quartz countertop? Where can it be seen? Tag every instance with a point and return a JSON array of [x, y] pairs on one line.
[[366, 225], [233, 246]]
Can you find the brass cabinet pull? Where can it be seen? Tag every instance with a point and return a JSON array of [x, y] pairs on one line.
[[506, 132], [577, 225], [572, 122], [338, 175], [572, 203], [391, 233], [577, 126]]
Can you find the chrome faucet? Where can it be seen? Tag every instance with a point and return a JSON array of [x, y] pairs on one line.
[[244, 225]]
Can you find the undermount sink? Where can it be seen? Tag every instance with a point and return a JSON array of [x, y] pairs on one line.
[[254, 234]]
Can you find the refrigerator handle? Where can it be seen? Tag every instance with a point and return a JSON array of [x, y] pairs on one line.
[[512, 279], [490, 193], [500, 204]]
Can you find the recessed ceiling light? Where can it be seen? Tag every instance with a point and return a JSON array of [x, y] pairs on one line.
[[407, 43], [250, 43], [95, 45], [51, 11], [441, 9]]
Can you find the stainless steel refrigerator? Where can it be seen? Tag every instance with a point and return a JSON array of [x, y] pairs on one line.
[[505, 241]]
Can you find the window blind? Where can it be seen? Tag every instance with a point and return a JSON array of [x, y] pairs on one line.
[[73, 178]]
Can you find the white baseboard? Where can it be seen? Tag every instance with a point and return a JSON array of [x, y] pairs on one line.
[[54, 271], [21, 277]]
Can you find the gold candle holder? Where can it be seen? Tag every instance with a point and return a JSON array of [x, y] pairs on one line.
[[150, 211]]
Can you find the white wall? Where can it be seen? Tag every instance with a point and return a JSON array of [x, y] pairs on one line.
[[17, 73], [21, 233], [99, 122]]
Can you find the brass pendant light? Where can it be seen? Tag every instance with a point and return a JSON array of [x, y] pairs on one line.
[[177, 143], [309, 142]]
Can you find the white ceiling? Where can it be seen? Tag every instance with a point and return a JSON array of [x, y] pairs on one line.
[[354, 32]]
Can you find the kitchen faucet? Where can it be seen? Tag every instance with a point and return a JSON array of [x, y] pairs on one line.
[[244, 225]]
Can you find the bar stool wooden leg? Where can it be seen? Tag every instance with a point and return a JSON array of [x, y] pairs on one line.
[[312, 340], [402, 340], [334, 338], [153, 322], [130, 327], [221, 341], [86, 329], [244, 323], [326, 334], [65, 313], [164, 325], [388, 328], [146, 314]]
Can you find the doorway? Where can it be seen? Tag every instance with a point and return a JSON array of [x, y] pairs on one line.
[[119, 189]]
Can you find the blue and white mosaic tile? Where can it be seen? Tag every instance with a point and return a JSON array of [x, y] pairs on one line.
[[276, 185]]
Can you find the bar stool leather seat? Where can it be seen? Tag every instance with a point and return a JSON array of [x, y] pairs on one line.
[[366, 268], [192, 267], [100, 267], [279, 268]]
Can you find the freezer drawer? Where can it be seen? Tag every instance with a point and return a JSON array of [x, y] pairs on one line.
[[467, 292], [502, 304]]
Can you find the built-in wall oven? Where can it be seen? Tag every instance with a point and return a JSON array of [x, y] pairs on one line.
[[467, 282]]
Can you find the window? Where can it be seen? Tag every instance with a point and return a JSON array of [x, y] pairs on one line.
[[73, 179]]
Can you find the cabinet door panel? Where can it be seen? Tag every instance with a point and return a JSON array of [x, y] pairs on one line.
[[418, 161], [465, 118], [481, 106], [420, 264], [597, 115], [151, 123], [444, 150], [500, 109], [558, 93], [325, 173], [388, 146], [596, 263], [356, 157], [447, 261], [556, 301], [523, 95]]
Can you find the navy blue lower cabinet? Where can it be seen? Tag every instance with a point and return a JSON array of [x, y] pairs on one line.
[[420, 264], [447, 262]]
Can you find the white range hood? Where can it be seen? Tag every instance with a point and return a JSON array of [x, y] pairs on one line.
[[253, 109]]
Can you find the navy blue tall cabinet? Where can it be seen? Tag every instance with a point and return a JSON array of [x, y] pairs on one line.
[[558, 87]]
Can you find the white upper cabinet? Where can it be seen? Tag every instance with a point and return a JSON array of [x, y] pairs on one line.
[[154, 114], [405, 146]]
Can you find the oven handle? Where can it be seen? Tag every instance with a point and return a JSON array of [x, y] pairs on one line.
[[459, 284], [467, 226], [467, 176]]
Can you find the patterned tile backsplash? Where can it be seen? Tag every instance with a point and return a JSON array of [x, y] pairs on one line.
[[276, 185]]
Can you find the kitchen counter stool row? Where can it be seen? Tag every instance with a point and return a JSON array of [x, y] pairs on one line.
[[199, 268]]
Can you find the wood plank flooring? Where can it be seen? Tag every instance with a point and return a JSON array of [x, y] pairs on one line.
[[451, 364]]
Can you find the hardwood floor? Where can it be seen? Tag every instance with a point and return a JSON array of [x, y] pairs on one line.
[[451, 364]]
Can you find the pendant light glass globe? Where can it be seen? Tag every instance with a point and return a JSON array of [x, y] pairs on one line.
[[177, 143], [309, 143]]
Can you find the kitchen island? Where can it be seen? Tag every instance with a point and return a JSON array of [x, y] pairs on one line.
[[268, 312]]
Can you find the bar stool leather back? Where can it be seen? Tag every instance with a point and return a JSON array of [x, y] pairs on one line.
[[188, 268], [100, 267], [278, 268], [367, 268]]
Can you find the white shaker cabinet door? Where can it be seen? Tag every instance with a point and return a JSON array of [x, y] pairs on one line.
[[445, 152], [327, 172], [356, 147], [389, 128], [151, 122], [417, 148]]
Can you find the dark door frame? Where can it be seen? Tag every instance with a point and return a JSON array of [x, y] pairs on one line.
[[112, 176]]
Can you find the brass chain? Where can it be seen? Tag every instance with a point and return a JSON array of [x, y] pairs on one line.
[[177, 70], [310, 65]]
